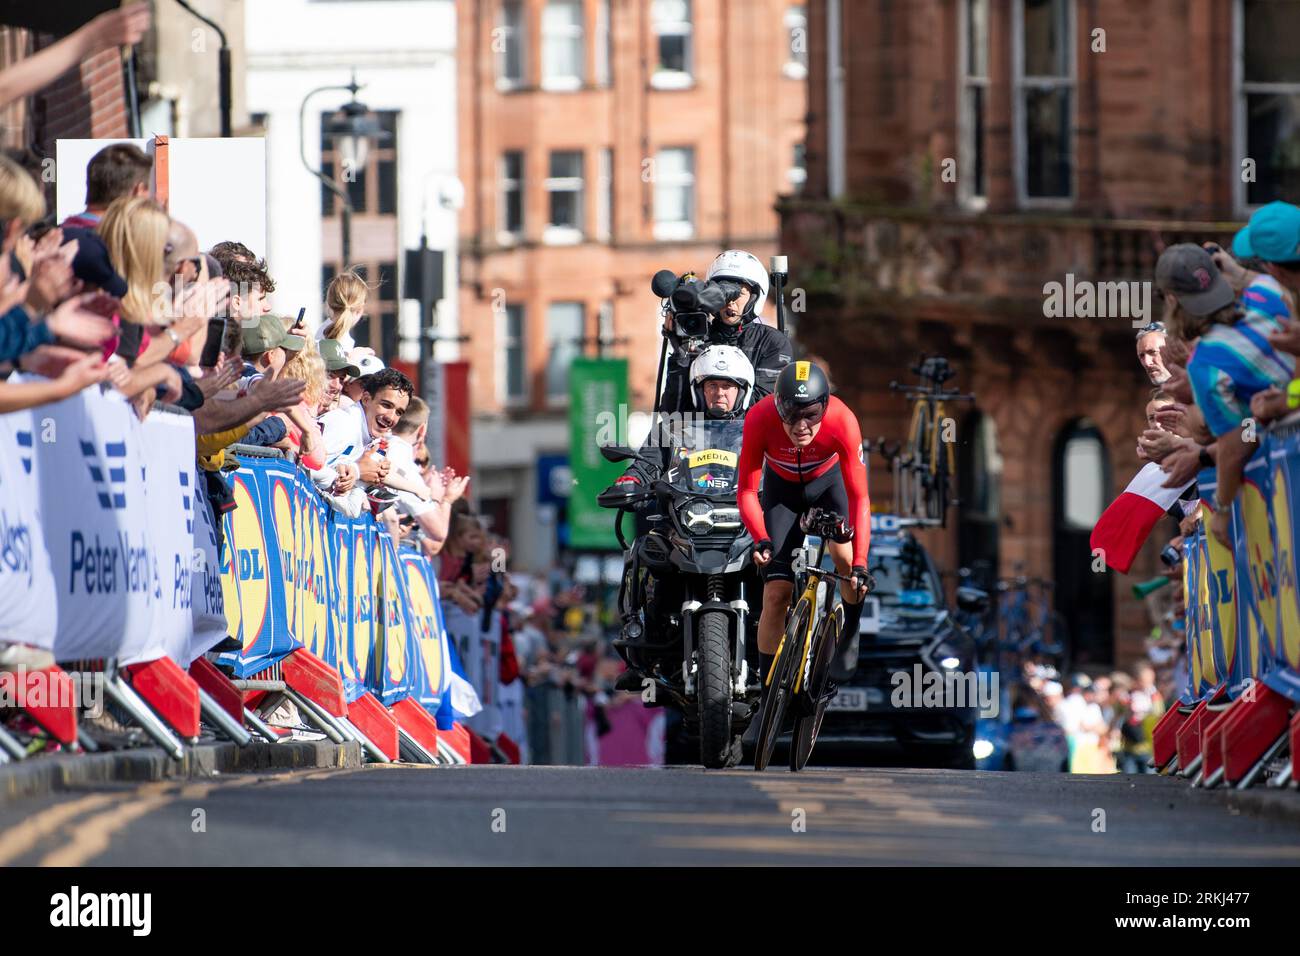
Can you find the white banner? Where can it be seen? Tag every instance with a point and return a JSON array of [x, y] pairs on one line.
[[96, 527], [114, 500], [26, 579], [480, 655], [209, 603], [166, 442]]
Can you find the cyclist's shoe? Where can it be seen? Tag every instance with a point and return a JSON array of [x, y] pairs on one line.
[[750, 738], [845, 662]]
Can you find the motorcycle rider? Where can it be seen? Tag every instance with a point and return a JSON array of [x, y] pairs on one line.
[[721, 388]]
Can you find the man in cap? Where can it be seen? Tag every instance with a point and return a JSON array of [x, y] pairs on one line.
[[265, 349], [1272, 239], [339, 371], [1232, 360]]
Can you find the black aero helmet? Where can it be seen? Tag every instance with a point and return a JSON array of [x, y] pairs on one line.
[[802, 391]]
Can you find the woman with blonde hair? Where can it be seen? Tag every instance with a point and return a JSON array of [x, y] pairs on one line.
[[346, 300], [135, 231], [302, 434]]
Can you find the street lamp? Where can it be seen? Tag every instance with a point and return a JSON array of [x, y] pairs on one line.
[[352, 128]]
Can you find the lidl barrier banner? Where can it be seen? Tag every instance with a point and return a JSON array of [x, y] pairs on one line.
[[296, 573], [1243, 608]]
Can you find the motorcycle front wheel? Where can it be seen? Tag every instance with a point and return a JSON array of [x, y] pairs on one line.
[[713, 690]]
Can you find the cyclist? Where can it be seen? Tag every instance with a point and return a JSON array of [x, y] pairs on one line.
[[807, 446]]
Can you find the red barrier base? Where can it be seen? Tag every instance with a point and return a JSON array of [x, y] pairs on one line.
[[1189, 734], [1295, 746], [1251, 727], [508, 747], [370, 717], [317, 681], [479, 750], [170, 692], [417, 722], [219, 687], [1164, 737], [458, 738], [48, 696]]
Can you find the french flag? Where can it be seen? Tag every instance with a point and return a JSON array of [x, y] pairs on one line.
[[1123, 528]]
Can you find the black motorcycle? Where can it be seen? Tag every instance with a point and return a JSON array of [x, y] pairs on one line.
[[687, 589]]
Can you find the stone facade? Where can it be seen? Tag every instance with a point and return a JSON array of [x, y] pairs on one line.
[[902, 262]]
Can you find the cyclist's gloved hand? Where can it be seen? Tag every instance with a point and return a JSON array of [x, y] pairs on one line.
[[843, 534], [863, 578], [762, 551]]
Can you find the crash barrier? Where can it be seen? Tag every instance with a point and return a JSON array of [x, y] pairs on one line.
[[557, 718], [1243, 627], [109, 552]]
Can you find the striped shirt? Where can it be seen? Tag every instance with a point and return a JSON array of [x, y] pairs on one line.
[[1231, 363]]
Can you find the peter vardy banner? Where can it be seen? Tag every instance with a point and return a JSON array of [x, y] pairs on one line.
[[26, 577]]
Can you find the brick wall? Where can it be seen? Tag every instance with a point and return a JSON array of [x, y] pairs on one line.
[[742, 115]]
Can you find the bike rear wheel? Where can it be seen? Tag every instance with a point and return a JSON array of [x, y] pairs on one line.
[[807, 727], [780, 688]]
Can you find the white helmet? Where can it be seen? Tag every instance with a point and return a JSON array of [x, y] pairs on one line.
[[726, 362], [743, 267]]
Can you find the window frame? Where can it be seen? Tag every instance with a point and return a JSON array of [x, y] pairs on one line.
[[503, 82], [1020, 84], [966, 145], [561, 235], [675, 230], [665, 79], [505, 235], [1241, 88], [793, 67], [570, 82], [561, 398], [506, 341]]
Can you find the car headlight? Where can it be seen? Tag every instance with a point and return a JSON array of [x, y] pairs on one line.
[[983, 749]]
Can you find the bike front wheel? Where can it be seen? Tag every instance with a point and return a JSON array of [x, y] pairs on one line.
[[806, 728]]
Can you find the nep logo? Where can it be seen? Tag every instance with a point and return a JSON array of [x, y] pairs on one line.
[[111, 492]]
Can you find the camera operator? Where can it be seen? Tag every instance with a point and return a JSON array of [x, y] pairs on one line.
[[744, 284]]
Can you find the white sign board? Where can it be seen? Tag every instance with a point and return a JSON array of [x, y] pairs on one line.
[[217, 187]]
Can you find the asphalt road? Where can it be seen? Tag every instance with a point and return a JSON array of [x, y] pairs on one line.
[[407, 815]]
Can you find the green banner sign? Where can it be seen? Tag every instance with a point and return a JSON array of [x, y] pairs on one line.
[[597, 408]]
